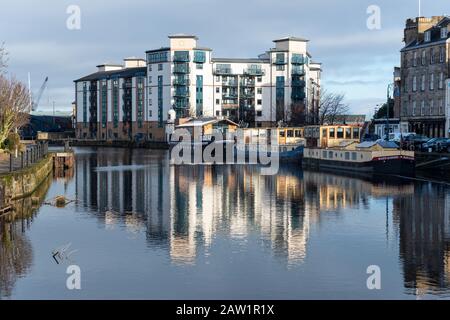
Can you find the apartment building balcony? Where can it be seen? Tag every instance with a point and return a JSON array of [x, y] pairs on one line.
[[229, 95], [181, 68], [181, 57], [298, 60], [230, 83], [300, 95], [254, 72], [181, 81], [280, 62], [298, 71], [248, 95], [181, 93], [298, 83], [230, 105], [222, 71], [248, 83]]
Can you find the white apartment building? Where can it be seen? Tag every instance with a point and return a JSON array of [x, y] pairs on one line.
[[280, 85]]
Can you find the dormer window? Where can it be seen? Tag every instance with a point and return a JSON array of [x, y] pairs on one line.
[[444, 33], [428, 36]]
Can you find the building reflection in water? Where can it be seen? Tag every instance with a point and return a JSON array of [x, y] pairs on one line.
[[424, 221], [184, 208], [16, 251]]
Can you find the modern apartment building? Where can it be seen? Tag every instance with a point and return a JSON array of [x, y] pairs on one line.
[[123, 102], [425, 67]]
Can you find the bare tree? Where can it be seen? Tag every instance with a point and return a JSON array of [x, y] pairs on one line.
[[14, 106], [331, 107], [3, 58]]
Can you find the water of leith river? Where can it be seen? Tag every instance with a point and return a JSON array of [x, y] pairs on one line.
[[143, 229]]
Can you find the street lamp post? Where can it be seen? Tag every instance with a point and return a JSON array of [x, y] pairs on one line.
[[389, 87]]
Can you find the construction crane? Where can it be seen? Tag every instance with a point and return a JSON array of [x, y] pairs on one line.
[[35, 102]]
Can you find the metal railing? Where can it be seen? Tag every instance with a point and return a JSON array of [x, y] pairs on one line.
[[33, 154]]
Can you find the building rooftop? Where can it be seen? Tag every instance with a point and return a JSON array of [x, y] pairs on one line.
[[183, 36], [291, 39], [239, 60], [122, 73]]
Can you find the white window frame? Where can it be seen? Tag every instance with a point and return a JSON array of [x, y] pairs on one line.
[[427, 36], [444, 33], [422, 83], [414, 84], [432, 81]]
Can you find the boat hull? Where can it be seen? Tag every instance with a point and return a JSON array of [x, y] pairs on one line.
[[397, 165]]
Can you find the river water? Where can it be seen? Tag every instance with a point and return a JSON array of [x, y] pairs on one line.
[[140, 228]]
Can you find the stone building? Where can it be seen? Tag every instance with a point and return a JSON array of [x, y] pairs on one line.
[[425, 67]]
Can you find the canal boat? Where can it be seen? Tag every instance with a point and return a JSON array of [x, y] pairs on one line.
[[370, 157]]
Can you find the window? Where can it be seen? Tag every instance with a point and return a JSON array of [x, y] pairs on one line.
[[424, 57], [414, 106], [324, 154], [348, 133], [441, 54], [150, 68], [405, 85], [422, 83], [217, 101], [432, 55], [217, 113], [441, 107], [282, 134], [355, 133], [259, 113], [150, 113], [259, 79], [331, 131], [160, 67], [415, 59], [298, 134], [217, 78], [259, 102], [199, 66], [280, 67], [432, 81], [156, 57], [347, 156], [414, 84], [150, 79], [330, 154], [150, 90], [340, 133], [422, 108], [217, 89], [354, 156], [150, 102], [441, 80], [444, 33], [290, 133], [259, 91], [427, 36]]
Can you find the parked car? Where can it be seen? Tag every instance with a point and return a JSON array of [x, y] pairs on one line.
[[397, 136], [414, 142], [437, 145], [370, 137]]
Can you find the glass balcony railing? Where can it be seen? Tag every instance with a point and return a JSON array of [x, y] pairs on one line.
[[230, 83], [181, 68], [248, 83], [180, 81], [254, 72], [300, 59], [183, 93], [248, 94], [279, 61], [298, 71], [300, 95], [220, 71], [298, 83], [181, 56], [229, 95]]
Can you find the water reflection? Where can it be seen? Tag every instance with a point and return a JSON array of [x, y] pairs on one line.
[[184, 208], [16, 250]]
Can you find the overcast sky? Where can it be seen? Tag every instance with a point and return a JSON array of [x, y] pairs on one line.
[[356, 61]]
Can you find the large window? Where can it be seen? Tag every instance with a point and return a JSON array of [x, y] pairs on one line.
[[332, 133], [340, 133], [115, 102]]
